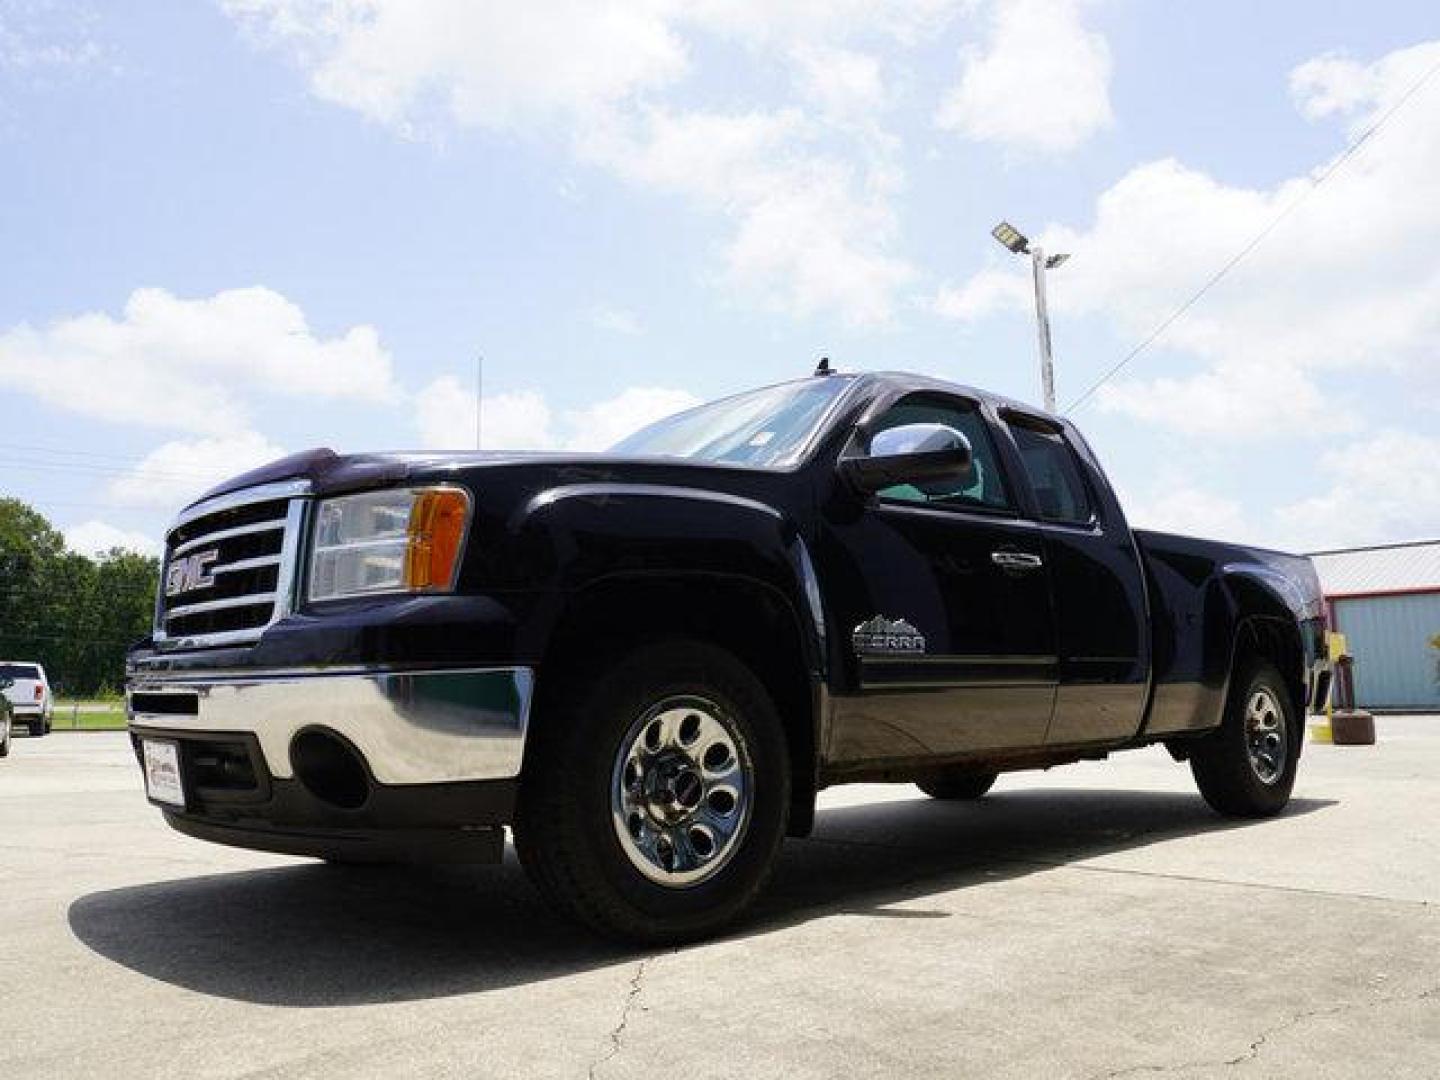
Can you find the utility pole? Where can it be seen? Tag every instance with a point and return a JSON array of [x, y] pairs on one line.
[[1016, 241]]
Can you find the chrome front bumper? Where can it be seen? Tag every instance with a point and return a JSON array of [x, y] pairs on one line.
[[411, 727]]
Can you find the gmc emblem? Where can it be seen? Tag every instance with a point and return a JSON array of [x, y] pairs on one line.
[[187, 573]]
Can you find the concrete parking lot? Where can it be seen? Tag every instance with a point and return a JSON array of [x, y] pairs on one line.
[[1094, 921]]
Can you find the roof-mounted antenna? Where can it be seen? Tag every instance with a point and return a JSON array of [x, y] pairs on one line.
[[823, 368]]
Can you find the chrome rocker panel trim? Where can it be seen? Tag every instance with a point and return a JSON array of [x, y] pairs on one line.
[[411, 727]]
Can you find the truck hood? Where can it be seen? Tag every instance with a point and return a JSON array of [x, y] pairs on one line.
[[332, 473]]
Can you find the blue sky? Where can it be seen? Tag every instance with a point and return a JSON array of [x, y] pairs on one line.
[[235, 229]]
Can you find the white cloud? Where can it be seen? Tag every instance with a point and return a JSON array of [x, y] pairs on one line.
[[1248, 396], [524, 420], [615, 320], [1190, 511], [845, 86], [502, 67], [987, 292], [39, 36], [602, 425], [445, 417], [1040, 83], [1348, 282], [177, 473], [811, 230], [1385, 488], [493, 65], [765, 22], [99, 538], [184, 364], [1337, 85]]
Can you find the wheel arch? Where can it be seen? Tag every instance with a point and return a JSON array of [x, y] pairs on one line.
[[754, 621], [1266, 629]]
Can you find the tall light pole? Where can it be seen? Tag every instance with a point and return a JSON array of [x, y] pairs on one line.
[[1016, 241]]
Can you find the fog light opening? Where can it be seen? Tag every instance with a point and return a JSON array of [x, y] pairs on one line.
[[330, 769]]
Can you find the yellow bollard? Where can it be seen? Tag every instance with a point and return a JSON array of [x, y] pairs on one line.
[[1320, 731]]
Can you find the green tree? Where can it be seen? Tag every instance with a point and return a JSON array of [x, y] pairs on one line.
[[73, 614]]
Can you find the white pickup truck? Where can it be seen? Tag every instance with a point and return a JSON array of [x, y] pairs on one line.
[[29, 694]]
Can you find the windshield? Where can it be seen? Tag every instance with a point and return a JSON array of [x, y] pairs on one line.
[[765, 428]]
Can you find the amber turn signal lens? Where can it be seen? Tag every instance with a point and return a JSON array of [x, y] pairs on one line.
[[437, 530]]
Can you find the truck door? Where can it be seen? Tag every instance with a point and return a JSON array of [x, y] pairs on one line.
[[942, 599], [1095, 573]]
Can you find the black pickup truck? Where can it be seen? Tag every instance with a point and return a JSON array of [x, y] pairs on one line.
[[648, 662]]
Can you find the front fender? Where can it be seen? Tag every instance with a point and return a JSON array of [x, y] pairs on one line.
[[585, 534]]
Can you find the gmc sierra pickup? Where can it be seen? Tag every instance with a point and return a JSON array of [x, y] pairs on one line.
[[647, 662]]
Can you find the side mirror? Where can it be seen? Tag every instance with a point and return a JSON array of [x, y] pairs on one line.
[[910, 454]]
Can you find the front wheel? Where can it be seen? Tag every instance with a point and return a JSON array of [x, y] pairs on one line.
[[5, 741], [1247, 767], [656, 798]]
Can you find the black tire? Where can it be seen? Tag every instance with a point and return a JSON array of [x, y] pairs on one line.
[[958, 785], [566, 835], [5, 744], [37, 728], [1234, 781]]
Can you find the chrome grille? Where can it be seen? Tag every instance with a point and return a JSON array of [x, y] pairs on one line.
[[230, 567]]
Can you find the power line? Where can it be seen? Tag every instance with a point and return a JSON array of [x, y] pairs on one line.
[[86, 468], [74, 503], [98, 462], [67, 452], [1334, 167]]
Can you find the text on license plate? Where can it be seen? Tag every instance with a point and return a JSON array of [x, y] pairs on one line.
[[162, 772]]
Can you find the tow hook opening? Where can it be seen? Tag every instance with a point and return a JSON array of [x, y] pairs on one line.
[[330, 769]]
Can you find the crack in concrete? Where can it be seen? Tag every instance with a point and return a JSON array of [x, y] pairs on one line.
[[617, 1033], [1258, 1044]]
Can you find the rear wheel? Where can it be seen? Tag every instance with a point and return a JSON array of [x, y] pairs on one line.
[[655, 801], [1247, 767], [958, 785], [37, 727]]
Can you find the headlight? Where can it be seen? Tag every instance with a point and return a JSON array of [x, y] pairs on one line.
[[405, 540]]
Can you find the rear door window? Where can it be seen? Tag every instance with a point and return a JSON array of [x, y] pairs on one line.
[[1053, 471]]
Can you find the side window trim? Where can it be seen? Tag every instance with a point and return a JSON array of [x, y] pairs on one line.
[[956, 507]]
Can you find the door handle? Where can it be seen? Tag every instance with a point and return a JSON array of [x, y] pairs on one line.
[[1016, 560]]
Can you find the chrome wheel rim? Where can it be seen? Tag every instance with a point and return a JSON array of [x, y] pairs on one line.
[[1265, 736], [681, 791]]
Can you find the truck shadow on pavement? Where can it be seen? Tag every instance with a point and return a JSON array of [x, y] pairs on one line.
[[315, 935]]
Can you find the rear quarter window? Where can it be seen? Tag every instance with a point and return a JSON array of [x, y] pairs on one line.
[[1054, 474]]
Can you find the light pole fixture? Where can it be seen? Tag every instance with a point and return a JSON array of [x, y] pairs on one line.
[[1017, 242]]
